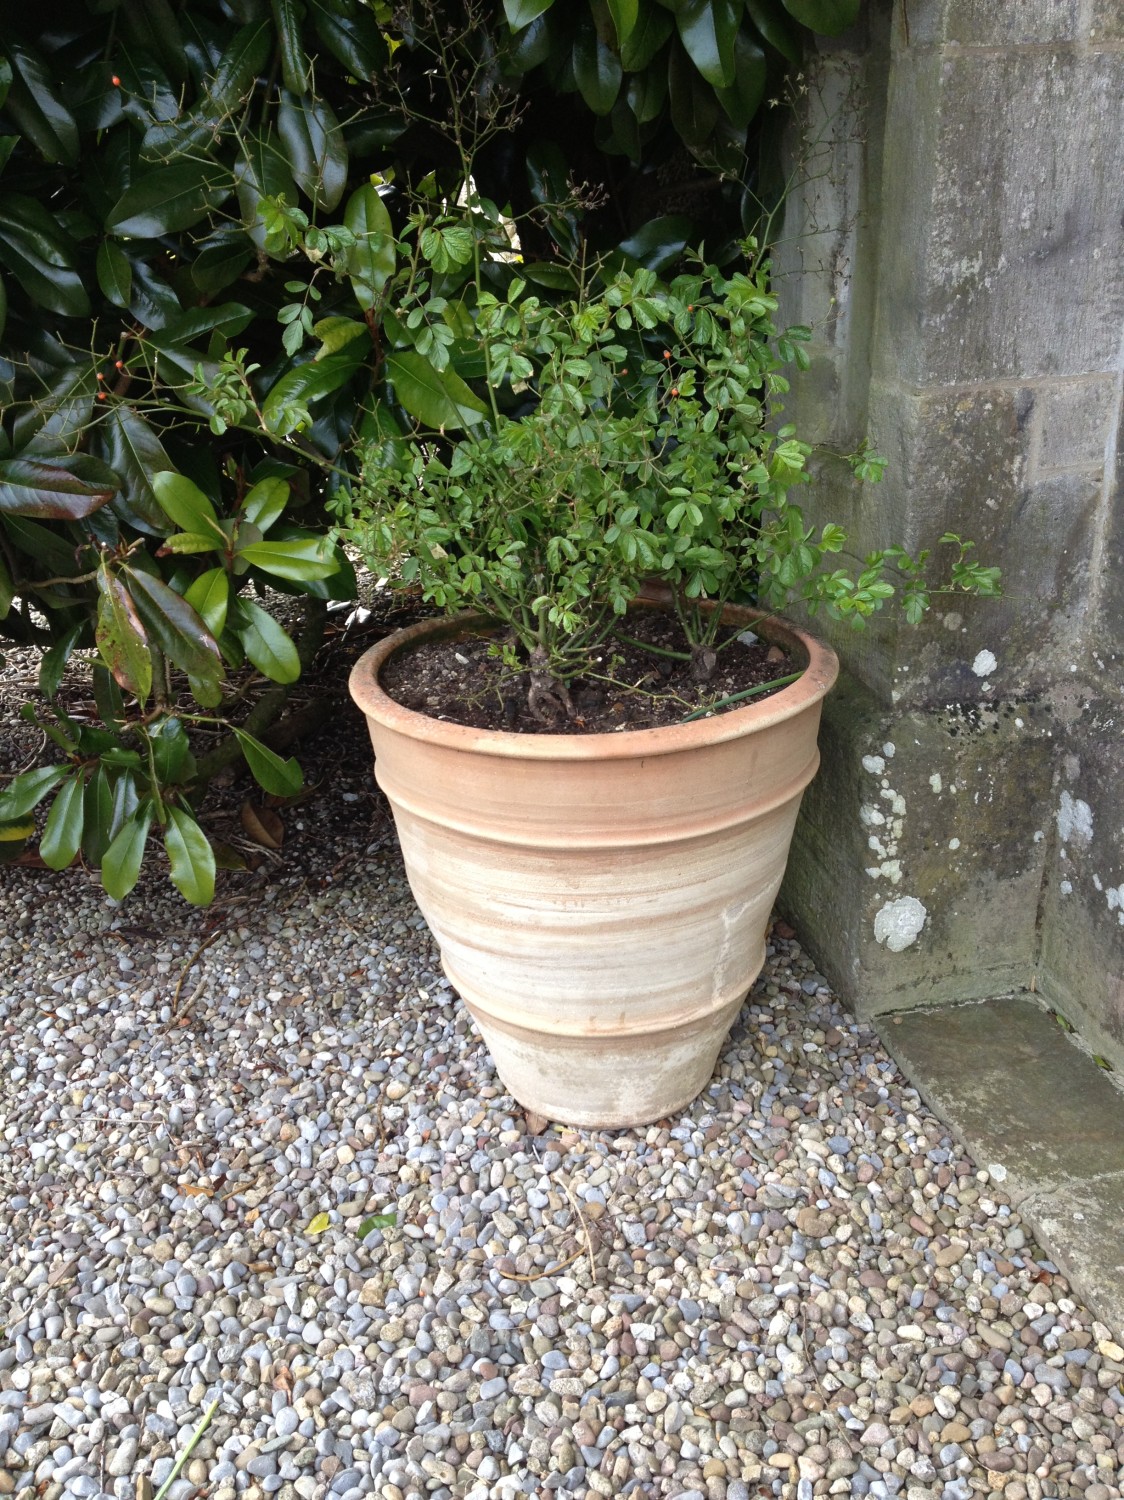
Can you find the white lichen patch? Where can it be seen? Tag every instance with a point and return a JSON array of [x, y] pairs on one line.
[[984, 664], [1075, 821], [936, 783], [888, 749], [870, 817], [954, 843], [874, 764], [898, 923], [1066, 887]]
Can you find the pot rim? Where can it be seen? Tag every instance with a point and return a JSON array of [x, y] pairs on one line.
[[818, 678]]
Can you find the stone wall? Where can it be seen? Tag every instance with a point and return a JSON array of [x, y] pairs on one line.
[[956, 241]]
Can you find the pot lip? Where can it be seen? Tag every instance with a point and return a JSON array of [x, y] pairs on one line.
[[818, 678]]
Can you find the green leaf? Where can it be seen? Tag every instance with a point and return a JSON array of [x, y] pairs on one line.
[[115, 273], [829, 17], [40, 256], [168, 199], [694, 109], [371, 260], [186, 503], [221, 260], [294, 60], [3, 307], [44, 545], [281, 778], [261, 171], [7, 589], [174, 626], [228, 318], [187, 543], [5, 78], [315, 147], [597, 69], [439, 399], [308, 383], [653, 27], [707, 29], [265, 643], [335, 334], [775, 27], [137, 456], [265, 502], [742, 101], [54, 661], [352, 35], [660, 242], [62, 836], [97, 817], [65, 489], [625, 14], [54, 423], [27, 790], [191, 857], [107, 696], [521, 13], [120, 868], [209, 597], [319, 1223], [376, 1221], [298, 560], [37, 110], [121, 638]]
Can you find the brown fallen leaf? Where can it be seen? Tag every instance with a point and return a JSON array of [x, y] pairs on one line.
[[198, 1191], [536, 1124], [227, 858], [262, 825]]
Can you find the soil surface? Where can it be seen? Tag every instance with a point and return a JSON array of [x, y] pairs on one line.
[[464, 680]]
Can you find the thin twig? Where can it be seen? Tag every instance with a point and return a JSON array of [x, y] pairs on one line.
[[204, 1423], [206, 943]]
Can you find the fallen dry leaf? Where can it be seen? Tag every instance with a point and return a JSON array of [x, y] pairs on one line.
[[262, 825]]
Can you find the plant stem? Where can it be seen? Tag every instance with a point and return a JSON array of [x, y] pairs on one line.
[[204, 1423], [753, 692], [628, 640]]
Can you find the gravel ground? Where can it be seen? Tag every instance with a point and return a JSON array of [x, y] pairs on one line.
[[799, 1287]]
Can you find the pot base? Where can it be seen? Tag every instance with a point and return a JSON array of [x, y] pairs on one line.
[[607, 1080]]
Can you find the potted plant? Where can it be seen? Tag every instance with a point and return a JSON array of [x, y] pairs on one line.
[[601, 895]]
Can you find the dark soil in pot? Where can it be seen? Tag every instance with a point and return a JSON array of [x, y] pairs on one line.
[[464, 680]]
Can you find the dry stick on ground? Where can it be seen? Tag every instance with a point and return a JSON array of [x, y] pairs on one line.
[[206, 943]]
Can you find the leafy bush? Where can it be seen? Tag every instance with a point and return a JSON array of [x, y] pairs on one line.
[[201, 209]]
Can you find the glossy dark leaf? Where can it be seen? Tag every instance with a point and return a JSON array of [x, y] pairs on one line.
[[281, 778], [98, 817], [308, 383], [438, 398], [54, 422], [136, 455], [221, 260], [742, 101], [315, 147], [173, 625], [775, 26], [53, 662], [707, 29], [34, 103], [351, 34], [694, 109], [171, 753], [227, 318], [597, 69], [625, 14], [121, 638], [264, 642], [646, 93], [370, 261], [829, 17], [64, 489], [653, 27], [168, 199], [190, 856], [115, 273], [660, 242], [40, 257], [120, 869], [5, 78], [521, 13], [25, 791], [294, 60], [62, 836], [261, 171]]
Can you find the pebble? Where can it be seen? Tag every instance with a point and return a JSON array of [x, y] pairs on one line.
[[798, 1287]]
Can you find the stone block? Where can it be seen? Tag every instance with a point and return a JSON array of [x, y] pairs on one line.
[[999, 233], [983, 23], [1077, 418], [1106, 22], [1107, 632], [1082, 908], [937, 830]]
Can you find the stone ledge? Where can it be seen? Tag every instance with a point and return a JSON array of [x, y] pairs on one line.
[[1021, 1096]]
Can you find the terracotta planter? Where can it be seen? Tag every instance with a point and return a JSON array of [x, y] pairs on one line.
[[600, 900]]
